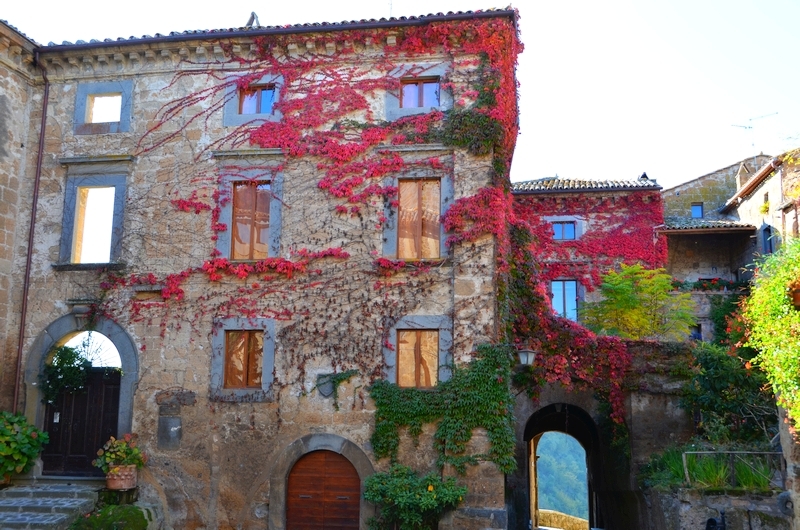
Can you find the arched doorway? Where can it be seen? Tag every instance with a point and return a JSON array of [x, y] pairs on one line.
[[559, 479], [323, 493], [575, 422], [110, 336], [80, 421]]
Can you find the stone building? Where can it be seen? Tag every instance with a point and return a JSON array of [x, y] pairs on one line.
[[246, 213]]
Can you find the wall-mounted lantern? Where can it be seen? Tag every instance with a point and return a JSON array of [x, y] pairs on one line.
[[526, 356]]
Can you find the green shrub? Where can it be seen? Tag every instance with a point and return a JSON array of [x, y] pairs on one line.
[[408, 501], [66, 372], [20, 443]]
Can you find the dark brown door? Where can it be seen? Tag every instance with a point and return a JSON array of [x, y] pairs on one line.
[[324, 493], [80, 423]]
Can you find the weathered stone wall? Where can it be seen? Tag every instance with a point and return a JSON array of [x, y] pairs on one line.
[[762, 209], [725, 256], [713, 189], [687, 509], [333, 317], [20, 99]]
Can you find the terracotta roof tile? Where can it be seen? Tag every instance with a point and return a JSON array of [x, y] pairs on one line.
[[556, 184], [687, 223]]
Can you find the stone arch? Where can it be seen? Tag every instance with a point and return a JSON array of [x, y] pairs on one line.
[[576, 422], [283, 464], [59, 332]]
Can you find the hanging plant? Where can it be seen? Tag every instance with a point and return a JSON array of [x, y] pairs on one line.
[[67, 372]]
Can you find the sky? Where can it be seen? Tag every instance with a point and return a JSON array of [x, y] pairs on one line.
[[608, 90]]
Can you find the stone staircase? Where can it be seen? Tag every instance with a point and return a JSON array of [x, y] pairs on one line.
[[46, 506]]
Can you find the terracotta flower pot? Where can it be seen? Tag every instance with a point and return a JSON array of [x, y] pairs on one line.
[[122, 477], [796, 298]]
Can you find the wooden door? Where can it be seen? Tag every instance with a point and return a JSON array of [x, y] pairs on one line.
[[80, 423], [324, 493]]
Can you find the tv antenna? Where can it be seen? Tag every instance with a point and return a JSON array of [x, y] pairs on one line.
[[749, 127]]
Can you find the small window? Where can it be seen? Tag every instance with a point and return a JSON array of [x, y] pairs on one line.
[[417, 358], [419, 228], [696, 332], [243, 358], [697, 210], [104, 108], [565, 298], [419, 93], [94, 218], [257, 99], [564, 230], [251, 202], [92, 221], [766, 234]]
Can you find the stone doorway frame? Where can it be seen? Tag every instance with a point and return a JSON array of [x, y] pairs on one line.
[[285, 461]]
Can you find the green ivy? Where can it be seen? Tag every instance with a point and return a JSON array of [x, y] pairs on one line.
[[471, 129], [66, 372], [20, 443], [477, 395], [336, 380], [410, 502]]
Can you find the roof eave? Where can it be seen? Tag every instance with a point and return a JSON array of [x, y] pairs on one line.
[[689, 231], [750, 186], [584, 190]]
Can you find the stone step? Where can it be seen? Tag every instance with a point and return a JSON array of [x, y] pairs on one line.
[[45, 507]]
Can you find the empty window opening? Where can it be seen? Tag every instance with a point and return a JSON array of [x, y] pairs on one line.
[[768, 243], [565, 298], [696, 332], [697, 210], [97, 348], [419, 219], [417, 358], [564, 230], [104, 108], [419, 92], [257, 99], [94, 220], [560, 480], [250, 237], [243, 358]]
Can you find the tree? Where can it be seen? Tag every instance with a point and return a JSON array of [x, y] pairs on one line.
[[774, 323], [638, 303]]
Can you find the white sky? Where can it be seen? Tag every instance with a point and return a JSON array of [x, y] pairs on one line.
[[608, 89]]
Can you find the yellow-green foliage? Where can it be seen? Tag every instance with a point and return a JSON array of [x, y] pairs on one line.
[[774, 324], [639, 303]]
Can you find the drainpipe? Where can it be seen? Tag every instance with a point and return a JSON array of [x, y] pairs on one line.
[[26, 282]]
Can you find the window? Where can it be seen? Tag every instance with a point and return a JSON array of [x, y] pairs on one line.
[[251, 210], [419, 92], [419, 227], [565, 298], [243, 359], [257, 99], [253, 104], [766, 235], [250, 227], [697, 210], [564, 230], [92, 221], [417, 358], [102, 108], [418, 351]]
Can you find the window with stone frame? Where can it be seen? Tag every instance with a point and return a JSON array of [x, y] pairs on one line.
[[422, 92], [417, 358], [257, 99], [565, 298], [243, 358], [564, 230], [103, 108], [419, 219], [250, 220]]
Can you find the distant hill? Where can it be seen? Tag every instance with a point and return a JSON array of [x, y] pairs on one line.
[[562, 479]]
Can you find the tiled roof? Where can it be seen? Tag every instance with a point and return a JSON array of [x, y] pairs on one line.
[[687, 223], [18, 31], [298, 28], [556, 184]]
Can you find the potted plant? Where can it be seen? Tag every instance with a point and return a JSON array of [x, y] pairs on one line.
[[119, 459], [20, 444]]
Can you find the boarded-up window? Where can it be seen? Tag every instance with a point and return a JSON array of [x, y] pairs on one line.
[[418, 230], [417, 358], [243, 358], [250, 220]]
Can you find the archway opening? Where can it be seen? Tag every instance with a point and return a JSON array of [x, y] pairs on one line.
[[561, 481], [96, 348], [324, 491], [560, 424]]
